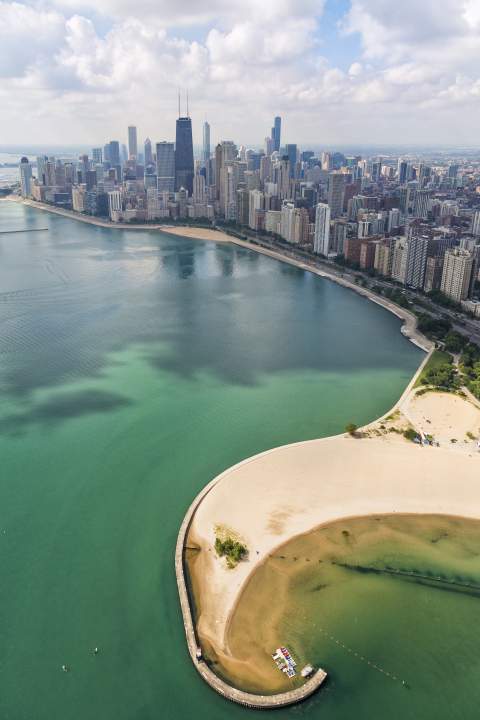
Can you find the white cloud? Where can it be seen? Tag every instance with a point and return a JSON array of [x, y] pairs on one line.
[[78, 76]]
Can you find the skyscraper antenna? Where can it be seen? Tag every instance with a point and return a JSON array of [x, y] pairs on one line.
[[187, 105], [178, 102]]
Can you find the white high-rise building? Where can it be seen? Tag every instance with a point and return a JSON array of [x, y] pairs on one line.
[[321, 243], [199, 189], [114, 202], [256, 202], [399, 261], [457, 271], [287, 221], [25, 177]]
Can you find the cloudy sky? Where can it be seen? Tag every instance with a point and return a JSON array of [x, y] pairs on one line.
[[337, 71]]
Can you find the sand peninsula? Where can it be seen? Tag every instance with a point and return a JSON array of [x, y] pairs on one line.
[[269, 499], [409, 327]]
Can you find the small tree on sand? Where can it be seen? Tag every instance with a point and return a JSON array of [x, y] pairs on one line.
[[351, 428]]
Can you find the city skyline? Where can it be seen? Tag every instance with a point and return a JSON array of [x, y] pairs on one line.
[[336, 72]]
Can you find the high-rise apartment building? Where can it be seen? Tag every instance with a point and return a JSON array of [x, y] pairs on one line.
[[282, 178], [256, 202], [287, 221], [243, 206], [166, 167], [184, 155], [25, 177], [199, 190], [336, 184], [225, 154], [457, 270], [321, 243], [399, 260], [433, 273], [421, 204], [417, 247], [41, 169]]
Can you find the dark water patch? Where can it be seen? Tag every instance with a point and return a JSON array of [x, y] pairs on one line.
[[62, 407]]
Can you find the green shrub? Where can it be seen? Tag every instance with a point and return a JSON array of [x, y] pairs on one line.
[[233, 550]]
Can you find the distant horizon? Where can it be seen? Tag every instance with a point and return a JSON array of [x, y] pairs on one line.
[[33, 148]]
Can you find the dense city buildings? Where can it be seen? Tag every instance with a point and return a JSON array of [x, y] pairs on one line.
[[411, 220]]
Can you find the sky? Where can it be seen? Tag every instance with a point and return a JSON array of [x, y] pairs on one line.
[[336, 71]]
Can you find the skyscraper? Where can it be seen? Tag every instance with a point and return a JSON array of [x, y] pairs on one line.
[[132, 142], [114, 153], [291, 151], [206, 141], [476, 223], [147, 148], [25, 177], [41, 169], [276, 133], [457, 271], [416, 261], [97, 155], [206, 150], [335, 193], [166, 167], [184, 155], [321, 243]]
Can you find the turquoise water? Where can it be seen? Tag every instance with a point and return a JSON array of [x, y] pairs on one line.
[[134, 367]]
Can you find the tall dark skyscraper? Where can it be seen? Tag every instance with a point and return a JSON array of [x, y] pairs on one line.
[[184, 155], [276, 133]]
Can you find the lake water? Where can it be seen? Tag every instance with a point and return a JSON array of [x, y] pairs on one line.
[[134, 368]]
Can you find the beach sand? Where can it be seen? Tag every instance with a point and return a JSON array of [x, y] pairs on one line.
[[275, 496], [196, 233]]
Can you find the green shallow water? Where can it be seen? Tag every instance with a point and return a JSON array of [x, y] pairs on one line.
[[134, 367], [388, 605]]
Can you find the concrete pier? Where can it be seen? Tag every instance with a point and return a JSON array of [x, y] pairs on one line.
[[227, 691]]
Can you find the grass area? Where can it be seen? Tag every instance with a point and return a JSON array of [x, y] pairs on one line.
[[437, 360]]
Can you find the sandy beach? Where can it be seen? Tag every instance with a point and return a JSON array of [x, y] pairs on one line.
[[269, 499]]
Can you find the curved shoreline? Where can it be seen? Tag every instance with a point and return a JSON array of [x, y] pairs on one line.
[[409, 328], [424, 494], [216, 683]]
